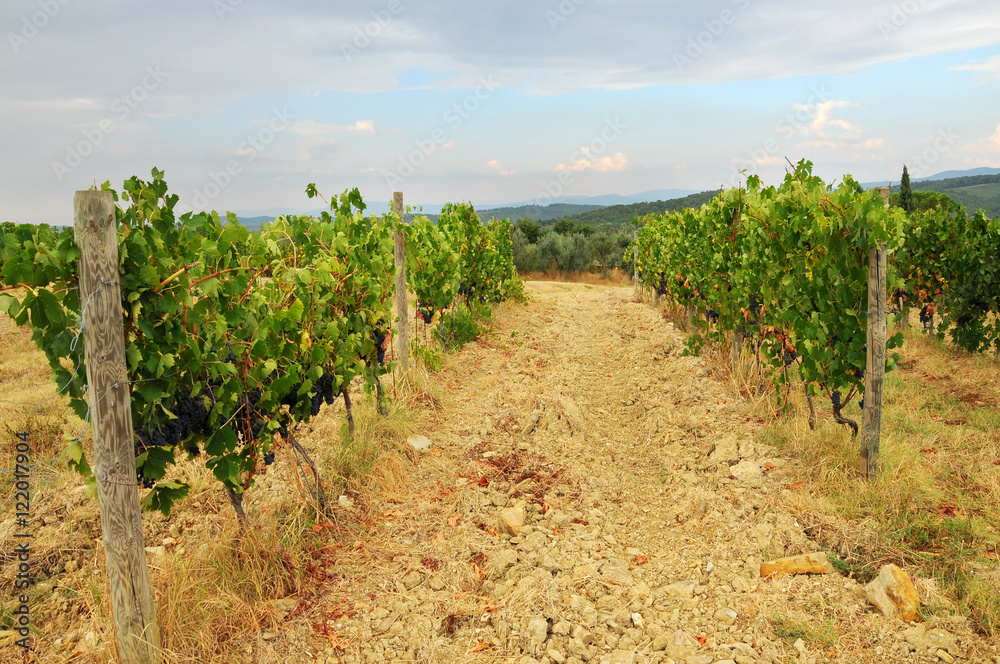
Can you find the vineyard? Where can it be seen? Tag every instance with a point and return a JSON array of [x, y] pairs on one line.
[[785, 271], [583, 457]]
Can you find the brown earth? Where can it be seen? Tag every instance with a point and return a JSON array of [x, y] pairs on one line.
[[647, 509]]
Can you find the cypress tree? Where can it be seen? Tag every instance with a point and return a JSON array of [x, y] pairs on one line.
[[906, 194]]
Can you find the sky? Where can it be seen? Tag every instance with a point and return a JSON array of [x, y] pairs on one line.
[[244, 102]]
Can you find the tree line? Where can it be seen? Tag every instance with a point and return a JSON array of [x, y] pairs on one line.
[[570, 247]]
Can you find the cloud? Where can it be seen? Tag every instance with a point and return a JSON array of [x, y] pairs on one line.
[[989, 69], [312, 129], [587, 162], [819, 127], [495, 165], [990, 144]]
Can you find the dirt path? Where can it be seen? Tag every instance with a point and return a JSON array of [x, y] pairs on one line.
[[640, 545]]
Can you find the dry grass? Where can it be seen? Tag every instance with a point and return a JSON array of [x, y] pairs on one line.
[[935, 507], [614, 278]]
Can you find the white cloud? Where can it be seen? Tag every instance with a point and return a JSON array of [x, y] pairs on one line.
[[989, 69], [990, 144], [822, 129], [495, 165], [588, 162], [312, 129]]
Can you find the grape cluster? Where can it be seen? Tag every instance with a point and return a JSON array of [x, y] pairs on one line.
[[191, 418], [835, 397], [378, 336], [754, 310], [661, 284], [788, 357], [292, 397], [926, 316], [425, 311], [324, 387]]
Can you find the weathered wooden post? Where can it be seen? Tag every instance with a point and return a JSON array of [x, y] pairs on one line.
[[871, 424], [111, 419], [635, 262], [737, 348], [402, 307]]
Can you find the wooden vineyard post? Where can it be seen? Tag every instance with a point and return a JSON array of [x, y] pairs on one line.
[[635, 262], [871, 424], [402, 308], [111, 419], [737, 343]]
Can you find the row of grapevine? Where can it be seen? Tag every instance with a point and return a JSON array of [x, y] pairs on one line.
[[950, 264], [459, 256], [786, 267], [231, 336]]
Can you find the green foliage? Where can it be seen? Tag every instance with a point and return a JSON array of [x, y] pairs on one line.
[[951, 267], [928, 200], [525, 253], [531, 229], [433, 269], [786, 265], [463, 324], [302, 298], [571, 227], [429, 355], [972, 266], [485, 252]]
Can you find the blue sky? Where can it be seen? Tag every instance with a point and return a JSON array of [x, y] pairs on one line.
[[244, 102]]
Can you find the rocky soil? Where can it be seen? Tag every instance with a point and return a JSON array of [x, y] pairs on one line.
[[589, 494]]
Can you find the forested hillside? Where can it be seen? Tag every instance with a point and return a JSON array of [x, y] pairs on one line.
[[617, 216], [974, 192]]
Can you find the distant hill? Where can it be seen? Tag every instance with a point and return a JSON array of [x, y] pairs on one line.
[[606, 200], [537, 212], [616, 216], [973, 191], [947, 175]]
